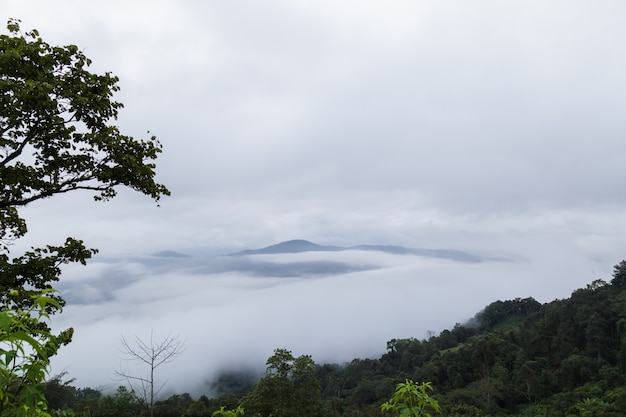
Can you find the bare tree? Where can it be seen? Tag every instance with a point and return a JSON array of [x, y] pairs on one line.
[[153, 354]]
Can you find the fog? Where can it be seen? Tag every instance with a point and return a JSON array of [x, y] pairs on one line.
[[230, 319], [495, 128]]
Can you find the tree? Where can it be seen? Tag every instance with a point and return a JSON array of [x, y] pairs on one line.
[[178, 405], [60, 394], [153, 354], [56, 136], [412, 400], [123, 403], [289, 388], [592, 407], [619, 275]]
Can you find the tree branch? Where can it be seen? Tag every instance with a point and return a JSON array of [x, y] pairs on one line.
[[153, 354], [17, 152]]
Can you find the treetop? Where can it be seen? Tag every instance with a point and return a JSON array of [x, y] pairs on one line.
[[56, 131]]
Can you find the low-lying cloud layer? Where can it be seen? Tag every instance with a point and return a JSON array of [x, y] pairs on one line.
[[232, 315], [496, 128]]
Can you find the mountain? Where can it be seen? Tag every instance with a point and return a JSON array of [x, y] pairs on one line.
[[289, 246], [169, 254], [102, 287], [300, 245]]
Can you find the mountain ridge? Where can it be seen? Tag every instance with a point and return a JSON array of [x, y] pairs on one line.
[[301, 245]]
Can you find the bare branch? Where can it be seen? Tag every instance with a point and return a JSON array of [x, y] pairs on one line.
[[153, 354]]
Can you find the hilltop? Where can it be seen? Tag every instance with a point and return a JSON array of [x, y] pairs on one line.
[[301, 245]]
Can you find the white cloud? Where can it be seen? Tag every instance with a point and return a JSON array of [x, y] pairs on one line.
[[490, 127], [236, 319]]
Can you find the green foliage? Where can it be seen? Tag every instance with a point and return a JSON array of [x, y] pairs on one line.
[[25, 351], [123, 403], [25, 276], [594, 407], [60, 394], [530, 360], [412, 400], [56, 136], [58, 111], [464, 410], [619, 275], [222, 412], [289, 388], [499, 311]]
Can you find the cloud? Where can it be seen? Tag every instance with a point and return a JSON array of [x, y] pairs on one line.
[[491, 128], [231, 319]]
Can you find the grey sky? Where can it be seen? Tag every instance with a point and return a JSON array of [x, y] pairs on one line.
[[487, 126]]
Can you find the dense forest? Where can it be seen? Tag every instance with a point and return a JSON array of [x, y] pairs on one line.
[[514, 358]]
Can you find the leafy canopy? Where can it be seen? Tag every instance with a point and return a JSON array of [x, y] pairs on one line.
[[288, 389], [55, 131], [56, 136]]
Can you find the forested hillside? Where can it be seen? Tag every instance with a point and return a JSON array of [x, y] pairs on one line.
[[516, 357]]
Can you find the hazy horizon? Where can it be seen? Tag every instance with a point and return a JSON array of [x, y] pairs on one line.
[[495, 128], [233, 311]]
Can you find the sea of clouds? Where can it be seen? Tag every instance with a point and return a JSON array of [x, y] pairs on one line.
[[232, 315]]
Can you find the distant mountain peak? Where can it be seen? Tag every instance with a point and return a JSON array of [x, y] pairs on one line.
[[295, 244], [169, 254], [301, 245], [288, 246]]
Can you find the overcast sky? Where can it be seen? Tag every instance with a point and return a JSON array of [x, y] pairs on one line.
[[487, 126]]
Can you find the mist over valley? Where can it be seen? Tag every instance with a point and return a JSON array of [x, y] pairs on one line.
[[334, 303]]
